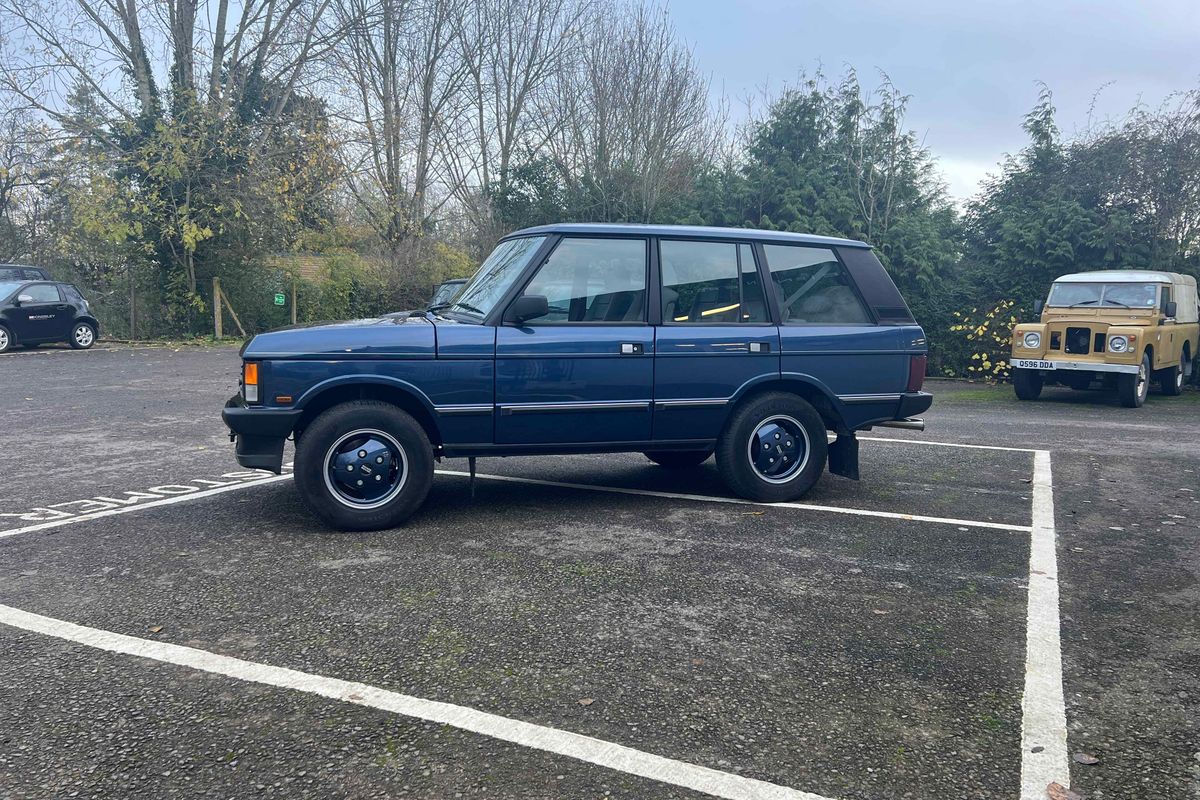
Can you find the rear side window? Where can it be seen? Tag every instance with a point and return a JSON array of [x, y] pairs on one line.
[[72, 294], [35, 274], [709, 282], [813, 287], [593, 280], [42, 293], [11, 274]]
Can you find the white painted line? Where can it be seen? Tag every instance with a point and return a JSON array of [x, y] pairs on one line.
[[703, 498], [950, 444], [166, 501], [538, 737], [1043, 710]]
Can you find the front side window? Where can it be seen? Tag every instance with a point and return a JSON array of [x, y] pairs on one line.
[[496, 275], [593, 280], [42, 293], [813, 287], [709, 282]]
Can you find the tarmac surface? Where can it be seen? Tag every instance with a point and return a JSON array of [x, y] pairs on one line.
[[867, 642]]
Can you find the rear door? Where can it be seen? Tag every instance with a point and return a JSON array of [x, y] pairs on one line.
[[716, 335], [583, 373]]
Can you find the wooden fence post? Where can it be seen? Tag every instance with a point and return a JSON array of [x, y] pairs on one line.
[[217, 308]]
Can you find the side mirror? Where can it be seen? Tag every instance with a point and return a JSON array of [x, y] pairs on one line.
[[24, 298], [527, 307], [1037, 306], [1170, 308]]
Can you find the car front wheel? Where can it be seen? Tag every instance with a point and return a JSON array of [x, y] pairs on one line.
[[1027, 383], [83, 336], [364, 465], [1132, 388], [6, 341], [773, 449]]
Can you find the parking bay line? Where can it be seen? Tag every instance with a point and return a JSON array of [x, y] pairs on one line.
[[527, 734], [1043, 708], [703, 498]]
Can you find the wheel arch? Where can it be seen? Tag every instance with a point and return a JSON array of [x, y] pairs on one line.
[[408, 398], [816, 393]]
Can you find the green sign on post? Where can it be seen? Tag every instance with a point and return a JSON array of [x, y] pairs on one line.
[[280, 299]]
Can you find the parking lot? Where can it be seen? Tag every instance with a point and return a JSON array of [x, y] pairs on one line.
[[1000, 597]]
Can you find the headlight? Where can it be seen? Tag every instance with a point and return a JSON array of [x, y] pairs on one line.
[[1033, 341], [1118, 344]]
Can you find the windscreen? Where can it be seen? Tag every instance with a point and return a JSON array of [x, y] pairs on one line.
[[496, 275], [8, 287], [1103, 295]]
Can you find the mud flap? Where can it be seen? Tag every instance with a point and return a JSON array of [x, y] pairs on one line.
[[843, 456]]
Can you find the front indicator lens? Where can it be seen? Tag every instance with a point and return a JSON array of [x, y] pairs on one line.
[[1033, 341], [250, 382], [1118, 344]]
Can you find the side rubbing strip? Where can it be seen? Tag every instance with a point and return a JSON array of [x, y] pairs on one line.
[[457, 410]]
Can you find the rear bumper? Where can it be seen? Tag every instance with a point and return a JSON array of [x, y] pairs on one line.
[[913, 403], [1045, 366], [259, 433]]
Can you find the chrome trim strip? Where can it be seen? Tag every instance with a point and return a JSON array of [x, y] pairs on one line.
[[544, 408], [463, 409], [694, 402], [851, 399]]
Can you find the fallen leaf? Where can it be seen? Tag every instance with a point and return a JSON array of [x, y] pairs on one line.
[[156, 629], [697, 662], [1056, 791], [753, 513], [1085, 758], [586, 701], [880, 611]]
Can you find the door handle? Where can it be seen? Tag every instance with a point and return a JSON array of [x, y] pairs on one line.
[[759, 347], [632, 348]]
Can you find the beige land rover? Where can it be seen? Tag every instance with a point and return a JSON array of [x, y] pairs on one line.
[[1120, 327]]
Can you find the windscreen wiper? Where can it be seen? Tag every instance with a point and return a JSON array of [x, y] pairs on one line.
[[1083, 303]]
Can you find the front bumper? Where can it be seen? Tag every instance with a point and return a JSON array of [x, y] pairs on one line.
[[1044, 365], [259, 433]]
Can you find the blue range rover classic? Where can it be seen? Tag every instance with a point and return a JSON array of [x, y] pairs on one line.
[[676, 342]]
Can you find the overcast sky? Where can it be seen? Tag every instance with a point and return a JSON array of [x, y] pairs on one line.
[[971, 66]]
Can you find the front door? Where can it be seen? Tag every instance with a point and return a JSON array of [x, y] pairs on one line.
[[584, 372], [716, 336], [43, 318]]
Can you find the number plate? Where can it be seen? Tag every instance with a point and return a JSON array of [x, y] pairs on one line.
[[1024, 363]]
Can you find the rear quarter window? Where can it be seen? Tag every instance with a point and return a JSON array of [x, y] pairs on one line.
[[813, 287]]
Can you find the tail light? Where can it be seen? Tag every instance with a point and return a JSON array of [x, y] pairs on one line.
[[916, 372], [250, 382]]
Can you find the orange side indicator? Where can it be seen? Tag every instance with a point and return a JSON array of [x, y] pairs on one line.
[[250, 374], [283, 399]]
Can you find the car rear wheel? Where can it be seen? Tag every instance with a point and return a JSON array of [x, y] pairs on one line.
[[678, 459], [773, 448], [6, 341], [364, 465], [83, 336], [1170, 380], [1027, 384], [1132, 388]]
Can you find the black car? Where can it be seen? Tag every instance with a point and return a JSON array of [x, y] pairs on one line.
[[33, 313], [20, 272]]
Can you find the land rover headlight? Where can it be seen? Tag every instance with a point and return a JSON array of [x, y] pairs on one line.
[[1032, 340], [1118, 344]]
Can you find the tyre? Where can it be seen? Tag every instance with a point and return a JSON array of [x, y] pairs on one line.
[[6, 341], [1027, 384], [678, 459], [773, 448], [1170, 380], [83, 336], [1131, 388], [363, 466]]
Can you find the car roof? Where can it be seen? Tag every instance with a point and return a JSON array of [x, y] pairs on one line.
[[694, 231], [1120, 276]]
